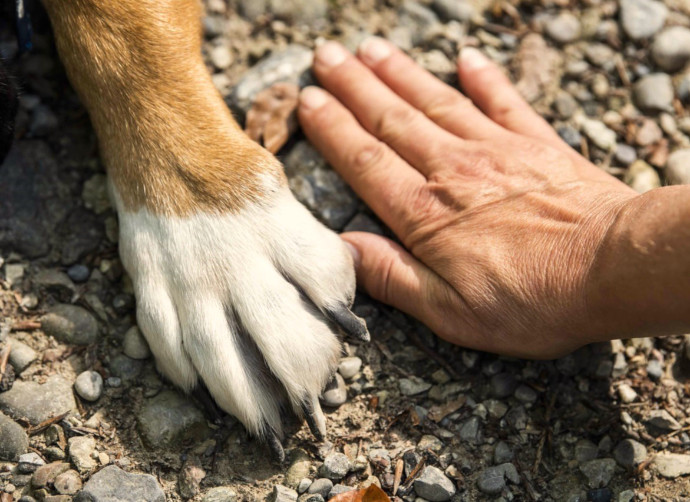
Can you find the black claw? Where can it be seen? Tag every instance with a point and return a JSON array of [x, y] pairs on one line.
[[350, 323], [274, 444], [213, 411], [308, 411]]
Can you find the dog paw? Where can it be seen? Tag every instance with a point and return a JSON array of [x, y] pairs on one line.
[[245, 302]]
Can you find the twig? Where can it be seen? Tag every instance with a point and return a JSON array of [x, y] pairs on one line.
[[25, 325], [35, 429], [398, 475], [4, 357], [542, 441]]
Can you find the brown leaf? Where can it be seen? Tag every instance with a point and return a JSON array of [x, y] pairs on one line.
[[539, 68], [438, 413], [271, 119], [371, 494]]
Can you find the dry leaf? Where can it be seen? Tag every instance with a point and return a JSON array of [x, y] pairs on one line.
[[371, 494], [438, 413], [539, 68], [271, 119]]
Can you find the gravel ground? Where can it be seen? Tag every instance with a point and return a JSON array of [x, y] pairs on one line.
[[84, 416]]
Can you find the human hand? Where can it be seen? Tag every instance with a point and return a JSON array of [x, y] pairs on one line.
[[500, 220]]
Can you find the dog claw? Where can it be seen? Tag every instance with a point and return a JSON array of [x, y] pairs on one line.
[[315, 418], [349, 322], [274, 444]]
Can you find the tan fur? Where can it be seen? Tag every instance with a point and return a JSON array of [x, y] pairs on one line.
[[166, 137]]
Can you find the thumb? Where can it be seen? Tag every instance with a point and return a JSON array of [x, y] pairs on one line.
[[390, 274]]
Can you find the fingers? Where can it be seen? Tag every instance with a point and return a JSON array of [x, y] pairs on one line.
[[385, 182], [488, 87], [440, 102], [380, 111]]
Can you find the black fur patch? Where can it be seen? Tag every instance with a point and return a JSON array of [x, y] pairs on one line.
[[8, 110]]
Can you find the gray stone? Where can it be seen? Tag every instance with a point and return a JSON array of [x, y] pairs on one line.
[[625, 154], [339, 490], [642, 18], [296, 11], [598, 472], [125, 368], [300, 465], [37, 403], [433, 485], [585, 451], [95, 194], [672, 465], [13, 440], [335, 466], [290, 65], [349, 367], [21, 355], [168, 418], [654, 92], [311, 497], [304, 485], [112, 484], [319, 187], [600, 55], [469, 431], [322, 486], [641, 177], [80, 450], [597, 132], [570, 135], [678, 167], [70, 324], [335, 392], [220, 494], [503, 385], [654, 368], [282, 493], [68, 483], [422, 21], [629, 453], [89, 385], [47, 474], [563, 28], [29, 462], [78, 273], [135, 345], [55, 282], [660, 421], [413, 386], [510, 472], [565, 105], [671, 48], [454, 10], [526, 394], [503, 453], [43, 121], [491, 480]]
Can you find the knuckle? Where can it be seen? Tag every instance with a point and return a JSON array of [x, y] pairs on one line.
[[394, 121], [447, 105], [371, 154]]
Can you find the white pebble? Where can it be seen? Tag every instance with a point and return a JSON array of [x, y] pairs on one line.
[[89, 385]]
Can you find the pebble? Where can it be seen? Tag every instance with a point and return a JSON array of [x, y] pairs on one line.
[[503, 453], [168, 418], [570, 135], [70, 324], [36, 402], [660, 422], [648, 133], [413, 386], [29, 462], [491, 480], [335, 392], [672, 465], [13, 439], [671, 48], [125, 368], [135, 345], [470, 430], [322, 486], [565, 105], [454, 10], [654, 369], [89, 385], [641, 177], [598, 472], [297, 11], [600, 55], [422, 20], [221, 57], [189, 479], [68, 483], [282, 493], [349, 367], [563, 28], [220, 494], [55, 282], [597, 132], [642, 18], [47, 474], [626, 393], [80, 450], [304, 485], [427, 442], [112, 483], [335, 466], [503, 385], [625, 154], [629, 453], [300, 467], [654, 92], [433, 485], [585, 450], [21, 355], [95, 194], [678, 167], [78, 273], [43, 121], [339, 490]]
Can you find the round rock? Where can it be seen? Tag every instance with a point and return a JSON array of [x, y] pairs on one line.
[[68, 483], [21, 355], [678, 167], [598, 472], [112, 483], [220, 494], [433, 485], [629, 453], [13, 440], [671, 48], [78, 273], [335, 392], [322, 486], [168, 418], [38, 402], [134, 344], [654, 92], [563, 28], [335, 466], [70, 324], [642, 18], [89, 385], [349, 367]]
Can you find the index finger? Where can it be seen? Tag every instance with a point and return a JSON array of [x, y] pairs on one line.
[[388, 184]]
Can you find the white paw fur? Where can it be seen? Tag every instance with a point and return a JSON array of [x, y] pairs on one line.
[[219, 299]]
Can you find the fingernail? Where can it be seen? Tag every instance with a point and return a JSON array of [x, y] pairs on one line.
[[331, 54], [312, 98], [374, 49], [472, 59], [356, 257]]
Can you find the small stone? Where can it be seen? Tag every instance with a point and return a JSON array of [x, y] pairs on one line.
[[311, 497], [599, 134], [29, 462], [600, 55], [135, 345], [654, 369], [503, 385], [70, 324], [503, 453], [47, 474], [43, 121], [13, 439], [671, 48], [349, 367], [300, 466], [563, 28], [282, 493], [80, 450], [168, 418], [565, 105], [36, 402], [89, 385], [598, 472], [322, 486], [526, 394], [469, 431], [78, 273], [413, 386], [648, 133], [14, 272], [678, 167], [68, 483], [654, 92], [626, 496], [189, 480], [339, 490], [304, 485], [220, 494], [335, 392], [433, 485], [625, 154], [95, 194], [125, 368], [585, 451], [660, 422], [455, 10], [335, 466], [672, 465], [627, 393], [53, 453], [641, 177], [570, 135], [21, 355], [629, 453], [112, 483], [642, 18], [491, 480], [422, 21], [221, 57], [429, 442]]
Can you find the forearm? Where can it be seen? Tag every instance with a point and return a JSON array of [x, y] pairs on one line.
[[640, 283]]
